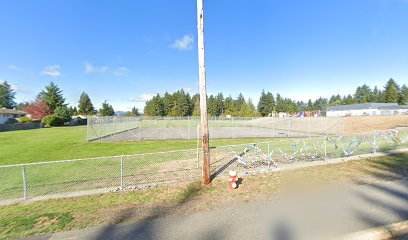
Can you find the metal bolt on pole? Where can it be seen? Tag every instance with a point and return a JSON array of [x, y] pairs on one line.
[[25, 194]]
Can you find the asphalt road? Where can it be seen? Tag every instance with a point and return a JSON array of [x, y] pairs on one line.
[[318, 215]]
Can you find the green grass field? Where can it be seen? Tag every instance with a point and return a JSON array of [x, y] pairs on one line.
[[51, 144], [69, 143]]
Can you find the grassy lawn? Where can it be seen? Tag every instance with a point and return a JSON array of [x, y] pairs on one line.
[[68, 143], [81, 212], [50, 144]]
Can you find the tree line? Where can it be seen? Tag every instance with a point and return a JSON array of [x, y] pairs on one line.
[[181, 104], [50, 107], [51, 102]]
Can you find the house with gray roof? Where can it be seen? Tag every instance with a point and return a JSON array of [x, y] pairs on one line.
[[366, 109], [6, 114]]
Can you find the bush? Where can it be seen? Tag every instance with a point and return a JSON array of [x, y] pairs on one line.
[[63, 112], [52, 121], [25, 120]]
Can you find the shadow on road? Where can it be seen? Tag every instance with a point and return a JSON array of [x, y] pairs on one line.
[[146, 228], [394, 201]]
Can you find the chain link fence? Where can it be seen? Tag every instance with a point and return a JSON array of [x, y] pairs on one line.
[[103, 173], [118, 129], [94, 175]]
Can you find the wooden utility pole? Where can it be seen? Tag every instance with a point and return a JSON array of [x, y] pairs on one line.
[[203, 93]]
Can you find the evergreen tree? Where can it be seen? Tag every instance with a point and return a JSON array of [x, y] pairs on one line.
[[262, 104], [391, 92], [301, 106], [181, 106], [229, 106], [376, 95], [251, 112], [270, 103], [335, 100], [154, 107], [403, 100], [196, 105], [320, 103], [7, 95], [280, 105], [52, 96], [73, 111], [244, 110], [219, 104], [309, 106], [85, 105], [363, 94], [63, 112], [239, 102], [168, 103], [348, 100], [106, 110], [135, 111], [211, 105]]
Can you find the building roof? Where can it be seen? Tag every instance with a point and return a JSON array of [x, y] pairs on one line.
[[363, 106], [11, 111]]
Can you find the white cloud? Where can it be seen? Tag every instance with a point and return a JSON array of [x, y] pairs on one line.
[[183, 44], [89, 68], [52, 71], [121, 72], [142, 98], [14, 68]]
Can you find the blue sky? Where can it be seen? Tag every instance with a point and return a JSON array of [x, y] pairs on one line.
[[125, 51]]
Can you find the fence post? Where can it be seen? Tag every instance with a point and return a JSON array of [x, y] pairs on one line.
[[23, 170], [233, 128], [188, 128], [273, 127], [164, 130], [121, 173], [140, 126], [269, 158], [100, 129], [198, 146], [289, 123]]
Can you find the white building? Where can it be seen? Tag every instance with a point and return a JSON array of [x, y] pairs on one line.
[[6, 114], [367, 109]]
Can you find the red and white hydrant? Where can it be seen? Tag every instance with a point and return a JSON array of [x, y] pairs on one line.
[[232, 180]]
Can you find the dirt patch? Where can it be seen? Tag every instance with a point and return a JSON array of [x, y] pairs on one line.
[[353, 125], [45, 222]]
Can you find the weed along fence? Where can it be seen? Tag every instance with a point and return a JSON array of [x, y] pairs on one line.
[[95, 175], [117, 129]]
